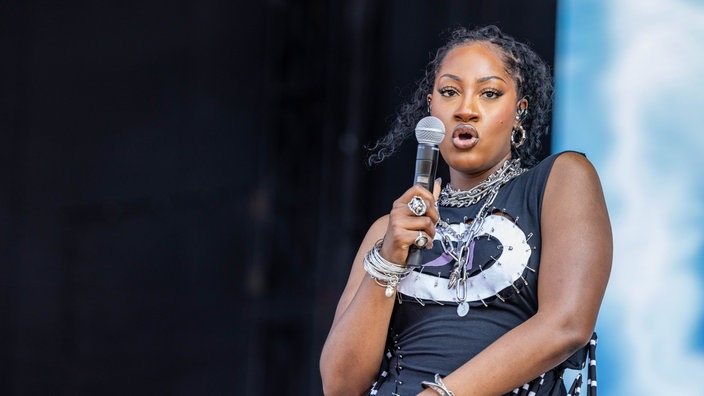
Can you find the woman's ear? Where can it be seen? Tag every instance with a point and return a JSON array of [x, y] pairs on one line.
[[522, 104]]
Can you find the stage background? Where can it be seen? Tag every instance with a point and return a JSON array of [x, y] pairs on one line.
[[182, 184], [629, 94]]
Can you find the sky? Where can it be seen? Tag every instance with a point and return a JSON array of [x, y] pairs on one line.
[[629, 78]]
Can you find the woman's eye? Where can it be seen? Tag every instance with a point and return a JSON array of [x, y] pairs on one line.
[[447, 91], [491, 94]]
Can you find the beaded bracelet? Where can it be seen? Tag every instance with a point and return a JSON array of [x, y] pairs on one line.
[[438, 386], [382, 270]]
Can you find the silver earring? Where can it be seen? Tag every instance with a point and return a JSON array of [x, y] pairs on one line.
[[430, 108], [518, 140]]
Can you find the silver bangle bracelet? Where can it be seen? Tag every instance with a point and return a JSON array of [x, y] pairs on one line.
[[385, 273], [438, 386]]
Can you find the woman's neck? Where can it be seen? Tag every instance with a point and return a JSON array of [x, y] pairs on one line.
[[464, 181]]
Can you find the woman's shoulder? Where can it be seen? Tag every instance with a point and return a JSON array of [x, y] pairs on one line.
[[561, 157], [572, 163], [566, 159], [572, 171], [554, 168]]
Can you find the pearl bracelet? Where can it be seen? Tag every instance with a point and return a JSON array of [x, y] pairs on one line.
[[438, 386]]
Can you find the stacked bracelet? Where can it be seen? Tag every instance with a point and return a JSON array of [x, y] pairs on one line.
[[385, 273], [438, 386]]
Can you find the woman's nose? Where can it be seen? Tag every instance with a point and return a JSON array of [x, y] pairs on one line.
[[466, 110]]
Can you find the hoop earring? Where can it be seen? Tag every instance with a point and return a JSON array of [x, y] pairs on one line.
[[517, 142]]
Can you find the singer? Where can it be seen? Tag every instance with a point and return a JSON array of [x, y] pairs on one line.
[[516, 249]]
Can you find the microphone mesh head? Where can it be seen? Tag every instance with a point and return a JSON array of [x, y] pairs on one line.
[[430, 130]]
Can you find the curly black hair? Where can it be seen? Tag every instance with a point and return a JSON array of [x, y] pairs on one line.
[[533, 81]]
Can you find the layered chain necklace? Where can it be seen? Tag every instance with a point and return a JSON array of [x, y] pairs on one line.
[[463, 252], [455, 198]]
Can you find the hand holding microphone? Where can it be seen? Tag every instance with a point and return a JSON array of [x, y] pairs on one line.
[[429, 132]]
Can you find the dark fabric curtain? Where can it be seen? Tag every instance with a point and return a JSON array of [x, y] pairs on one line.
[[184, 187]]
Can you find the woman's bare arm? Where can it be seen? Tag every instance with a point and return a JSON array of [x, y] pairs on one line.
[[354, 348]]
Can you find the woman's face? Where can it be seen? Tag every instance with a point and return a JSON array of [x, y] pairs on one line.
[[477, 101]]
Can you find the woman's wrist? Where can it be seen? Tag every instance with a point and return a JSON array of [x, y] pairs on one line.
[[438, 386], [385, 273]]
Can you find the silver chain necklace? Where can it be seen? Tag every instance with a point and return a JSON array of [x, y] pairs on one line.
[[456, 198], [463, 252]]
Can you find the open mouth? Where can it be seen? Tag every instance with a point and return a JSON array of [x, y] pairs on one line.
[[465, 136]]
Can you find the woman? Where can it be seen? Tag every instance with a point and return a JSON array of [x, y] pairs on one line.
[[519, 253]]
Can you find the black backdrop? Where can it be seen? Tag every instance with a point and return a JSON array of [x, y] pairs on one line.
[[183, 185]]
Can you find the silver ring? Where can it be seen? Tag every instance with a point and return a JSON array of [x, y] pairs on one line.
[[417, 206], [421, 240]]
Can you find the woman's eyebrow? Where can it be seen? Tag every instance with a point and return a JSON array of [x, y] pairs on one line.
[[452, 76], [479, 80], [487, 78]]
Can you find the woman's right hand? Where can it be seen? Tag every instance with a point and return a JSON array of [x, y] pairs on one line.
[[404, 226]]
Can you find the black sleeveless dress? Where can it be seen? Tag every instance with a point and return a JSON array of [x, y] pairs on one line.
[[427, 335]]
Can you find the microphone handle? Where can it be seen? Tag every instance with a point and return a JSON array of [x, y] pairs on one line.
[[415, 257], [426, 167]]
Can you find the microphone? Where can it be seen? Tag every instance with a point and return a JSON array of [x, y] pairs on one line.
[[429, 132]]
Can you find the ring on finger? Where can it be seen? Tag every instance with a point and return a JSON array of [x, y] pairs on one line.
[[421, 240], [417, 206]]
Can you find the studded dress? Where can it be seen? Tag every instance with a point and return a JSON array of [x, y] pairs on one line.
[[429, 335]]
